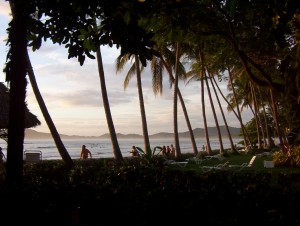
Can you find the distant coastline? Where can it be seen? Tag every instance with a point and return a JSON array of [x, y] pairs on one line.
[[198, 133]]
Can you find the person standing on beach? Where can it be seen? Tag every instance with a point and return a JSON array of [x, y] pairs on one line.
[[134, 152], [172, 149], [85, 153]]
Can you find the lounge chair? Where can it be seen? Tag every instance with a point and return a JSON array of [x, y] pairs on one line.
[[197, 159], [220, 166], [173, 162], [32, 156], [245, 164]]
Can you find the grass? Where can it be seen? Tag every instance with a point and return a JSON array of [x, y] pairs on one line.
[[239, 159]]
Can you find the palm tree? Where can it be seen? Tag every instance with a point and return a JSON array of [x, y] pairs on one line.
[[175, 113], [120, 62], [113, 136], [59, 144], [212, 80], [16, 75], [171, 78], [237, 105], [231, 108], [256, 115], [202, 77], [55, 135], [212, 105]]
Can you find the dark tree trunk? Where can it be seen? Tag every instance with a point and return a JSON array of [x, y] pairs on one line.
[[142, 107], [16, 74]]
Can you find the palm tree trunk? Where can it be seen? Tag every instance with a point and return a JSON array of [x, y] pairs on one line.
[[60, 146], [266, 123], [236, 115], [256, 116], [16, 75], [175, 120], [202, 77], [142, 107], [113, 136], [274, 106], [237, 106], [233, 149], [186, 116], [215, 115], [192, 137], [55, 135]]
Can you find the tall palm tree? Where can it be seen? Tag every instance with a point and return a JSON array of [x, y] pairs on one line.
[[257, 117], [113, 136], [175, 113], [135, 69], [214, 114], [171, 78], [268, 144], [202, 77], [212, 80], [59, 144], [16, 75], [55, 135], [275, 115], [237, 105], [197, 72], [231, 108]]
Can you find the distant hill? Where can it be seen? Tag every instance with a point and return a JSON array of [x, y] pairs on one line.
[[198, 133]]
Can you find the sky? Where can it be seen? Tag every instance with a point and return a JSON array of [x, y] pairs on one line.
[[73, 97]]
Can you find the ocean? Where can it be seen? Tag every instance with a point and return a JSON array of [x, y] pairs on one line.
[[101, 148]]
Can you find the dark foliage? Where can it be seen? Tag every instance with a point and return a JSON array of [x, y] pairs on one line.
[[102, 193]]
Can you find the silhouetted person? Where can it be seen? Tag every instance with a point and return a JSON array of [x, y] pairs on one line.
[[85, 153]]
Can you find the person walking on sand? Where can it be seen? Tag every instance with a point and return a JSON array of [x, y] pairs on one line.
[[85, 153]]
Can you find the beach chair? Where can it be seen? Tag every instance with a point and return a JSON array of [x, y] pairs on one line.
[[32, 156], [173, 162], [197, 159], [245, 164], [221, 166]]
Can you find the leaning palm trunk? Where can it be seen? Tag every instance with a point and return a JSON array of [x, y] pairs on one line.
[[208, 148], [223, 116], [275, 113], [256, 115], [236, 115], [259, 118], [113, 136], [192, 137], [266, 122], [237, 106], [142, 107], [175, 120], [55, 135], [215, 115]]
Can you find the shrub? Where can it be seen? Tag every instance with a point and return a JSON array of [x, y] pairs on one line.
[[291, 158]]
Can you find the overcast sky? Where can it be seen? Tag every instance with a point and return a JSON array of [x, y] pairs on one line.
[[73, 96]]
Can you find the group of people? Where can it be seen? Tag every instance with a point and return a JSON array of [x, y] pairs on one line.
[[169, 150]]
